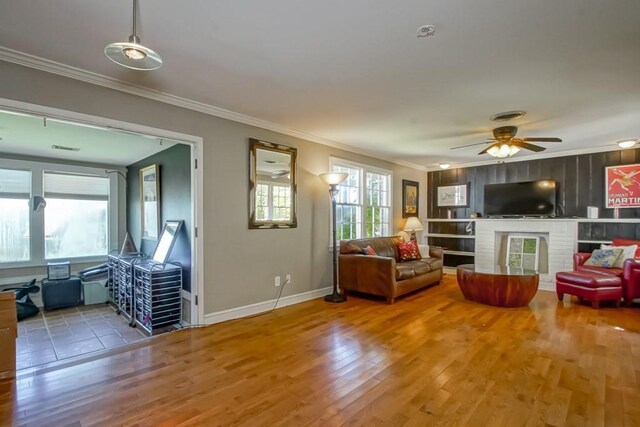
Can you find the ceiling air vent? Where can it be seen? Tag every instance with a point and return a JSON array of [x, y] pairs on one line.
[[62, 147], [507, 115]]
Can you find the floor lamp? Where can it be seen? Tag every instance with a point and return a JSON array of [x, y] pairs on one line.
[[333, 180]]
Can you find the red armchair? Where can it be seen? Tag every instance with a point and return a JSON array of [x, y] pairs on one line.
[[629, 274]]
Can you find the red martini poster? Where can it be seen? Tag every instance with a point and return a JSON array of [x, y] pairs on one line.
[[623, 186]]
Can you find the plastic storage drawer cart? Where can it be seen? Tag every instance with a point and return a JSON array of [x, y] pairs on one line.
[[120, 282], [158, 295]]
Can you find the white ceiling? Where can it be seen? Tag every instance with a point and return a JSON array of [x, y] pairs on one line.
[[355, 73], [28, 135]]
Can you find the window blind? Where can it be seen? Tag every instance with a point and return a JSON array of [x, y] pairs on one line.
[[70, 186], [15, 184]]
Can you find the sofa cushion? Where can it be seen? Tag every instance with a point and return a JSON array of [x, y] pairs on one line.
[[603, 257], [434, 263], [408, 269], [600, 270], [420, 266], [628, 252], [404, 271], [409, 251], [627, 242]]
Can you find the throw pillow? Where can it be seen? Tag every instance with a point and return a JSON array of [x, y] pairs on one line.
[[368, 251], [628, 242], [627, 252], [603, 257], [409, 251]]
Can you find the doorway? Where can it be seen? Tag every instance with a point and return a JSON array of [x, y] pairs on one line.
[[124, 221]]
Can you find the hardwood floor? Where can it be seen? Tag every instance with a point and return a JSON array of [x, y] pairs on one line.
[[430, 359]]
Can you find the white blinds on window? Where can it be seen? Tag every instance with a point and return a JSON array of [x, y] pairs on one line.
[[68, 186], [15, 184]]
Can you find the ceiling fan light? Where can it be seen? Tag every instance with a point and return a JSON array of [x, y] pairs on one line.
[[513, 150], [504, 150], [627, 143], [494, 151]]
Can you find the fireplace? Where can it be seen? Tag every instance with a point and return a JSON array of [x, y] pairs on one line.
[[501, 240], [558, 242]]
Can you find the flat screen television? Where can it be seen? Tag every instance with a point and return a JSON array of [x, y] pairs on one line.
[[533, 198]]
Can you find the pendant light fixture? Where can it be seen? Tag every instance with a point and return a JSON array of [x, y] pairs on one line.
[[132, 54]]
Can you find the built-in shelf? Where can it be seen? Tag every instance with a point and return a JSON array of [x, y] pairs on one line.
[[449, 252], [462, 243], [610, 220], [596, 242], [451, 236], [450, 220]]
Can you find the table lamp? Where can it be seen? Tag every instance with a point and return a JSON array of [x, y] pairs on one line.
[[412, 225]]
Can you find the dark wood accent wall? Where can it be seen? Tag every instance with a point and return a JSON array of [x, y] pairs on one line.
[[580, 182]]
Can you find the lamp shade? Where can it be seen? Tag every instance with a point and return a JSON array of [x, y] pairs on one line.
[[334, 178], [413, 224]]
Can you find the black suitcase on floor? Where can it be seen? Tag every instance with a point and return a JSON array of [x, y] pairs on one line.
[[61, 293]]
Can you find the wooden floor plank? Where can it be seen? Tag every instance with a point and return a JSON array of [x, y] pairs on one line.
[[432, 358]]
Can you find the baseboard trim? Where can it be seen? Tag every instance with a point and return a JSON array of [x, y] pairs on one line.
[[261, 307]]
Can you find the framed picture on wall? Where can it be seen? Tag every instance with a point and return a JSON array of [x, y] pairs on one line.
[[622, 186], [453, 195], [410, 198], [150, 201]]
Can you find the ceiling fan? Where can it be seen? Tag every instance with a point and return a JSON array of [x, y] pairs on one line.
[[505, 144]]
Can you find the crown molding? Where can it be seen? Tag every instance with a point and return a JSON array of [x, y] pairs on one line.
[[42, 64], [591, 150]]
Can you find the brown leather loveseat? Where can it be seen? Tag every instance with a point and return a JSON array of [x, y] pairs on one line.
[[383, 274]]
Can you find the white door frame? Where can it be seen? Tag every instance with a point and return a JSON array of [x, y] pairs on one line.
[[197, 180]]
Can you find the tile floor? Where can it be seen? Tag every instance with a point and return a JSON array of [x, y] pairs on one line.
[[61, 334]]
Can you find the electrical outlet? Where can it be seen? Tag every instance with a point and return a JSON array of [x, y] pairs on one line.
[[288, 279], [277, 281]]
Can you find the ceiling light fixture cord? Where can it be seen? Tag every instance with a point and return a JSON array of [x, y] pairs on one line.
[[135, 3]]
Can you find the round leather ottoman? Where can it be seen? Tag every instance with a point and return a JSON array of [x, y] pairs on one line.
[[593, 287]]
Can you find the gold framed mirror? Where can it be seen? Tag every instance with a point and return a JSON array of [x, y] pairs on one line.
[[272, 185]]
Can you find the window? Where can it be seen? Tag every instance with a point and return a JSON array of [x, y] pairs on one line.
[[76, 220], [15, 193], [273, 197], [79, 221], [364, 201]]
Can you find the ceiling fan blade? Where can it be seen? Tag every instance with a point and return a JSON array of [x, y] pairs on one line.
[[497, 144], [542, 139], [531, 147], [468, 145]]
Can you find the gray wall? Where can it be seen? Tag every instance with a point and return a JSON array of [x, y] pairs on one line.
[[175, 198], [239, 264]]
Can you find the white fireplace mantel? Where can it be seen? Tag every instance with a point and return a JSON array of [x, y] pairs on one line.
[[562, 242]]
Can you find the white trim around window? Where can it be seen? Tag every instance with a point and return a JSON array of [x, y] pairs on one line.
[[37, 219], [361, 206]]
